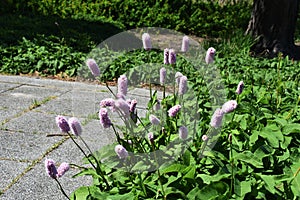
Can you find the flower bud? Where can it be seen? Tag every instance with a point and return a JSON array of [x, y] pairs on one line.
[[108, 102], [183, 133], [62, 169], [182, 89], [174, 110], [75, 126], [50, 168], [210, 55], [166, 56], [163, 74], [229, 106], [146, 41], [216, 120], [172, 56], [178, 75], [62, 124], [185, 44], [154, 120], [121, 151], [91, 63], [104, 119], [204, 138], [240, 88], [122, 85]]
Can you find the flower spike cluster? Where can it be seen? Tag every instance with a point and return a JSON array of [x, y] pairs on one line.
[[146, 41], [75, 126], [104, 119], [62, 124], [94, 68], [240, 88], [174, 110], [185, 44], [210, 55], [54, 172]]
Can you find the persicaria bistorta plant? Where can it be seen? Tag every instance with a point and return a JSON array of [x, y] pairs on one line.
[[165, 150]]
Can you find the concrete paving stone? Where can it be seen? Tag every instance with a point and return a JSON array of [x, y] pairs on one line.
[[9, 171], [11, 105], [35, 81], [79, 103], [36, 184], [8, 86], [33, 122], [24, 146], [35, 92]]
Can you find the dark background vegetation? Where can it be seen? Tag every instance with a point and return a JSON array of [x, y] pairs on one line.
[[53, 36]]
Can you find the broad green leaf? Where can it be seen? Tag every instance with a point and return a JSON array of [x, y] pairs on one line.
[[189, 172], [285, 156], [273, 135], [263, 151], [88, 171], [269, 183], [171, 168], [140, 167], [207, 179], [217, 190], [81, 193], [291, 128], [250, 158], [287, 141], [242, 188], [194, 194], [254, 137]]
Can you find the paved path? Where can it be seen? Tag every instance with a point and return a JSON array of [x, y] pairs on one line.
[[28, 107]]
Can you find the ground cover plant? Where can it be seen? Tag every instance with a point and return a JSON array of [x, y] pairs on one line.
[[33, 30], [256, 153]]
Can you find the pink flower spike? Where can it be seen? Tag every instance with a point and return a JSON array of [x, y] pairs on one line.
[[172, 56], [50, 168], [62, 124], [185, 44], [183, 133], [174, 110], [210, 55], [204, 138], [166, 56], [163, 74], [123, 107], [91, 63], [62, 169], [178, 75], [108, 102], [182, 85], [216, 119], [122, 85], [132, 105], [146, 41], [240, 88], [121, 151], [75, 126], [104, 119], [157, 106], [150, 136], [154, 120], [229, 106]]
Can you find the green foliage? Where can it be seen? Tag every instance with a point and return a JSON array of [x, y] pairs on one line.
[[194, 17], [48, 56], [261, 161]]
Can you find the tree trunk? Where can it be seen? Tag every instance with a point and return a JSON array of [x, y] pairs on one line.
[[273, 24]]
